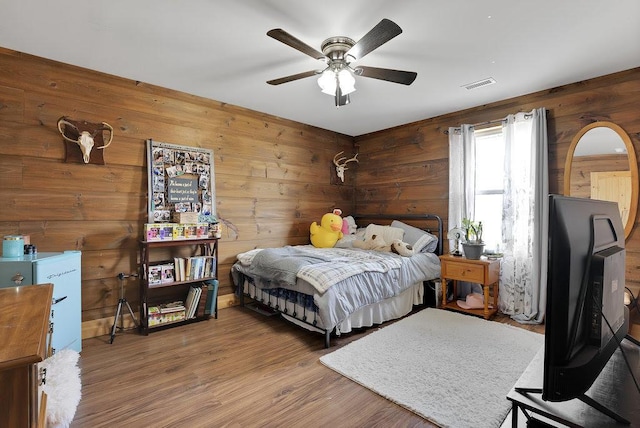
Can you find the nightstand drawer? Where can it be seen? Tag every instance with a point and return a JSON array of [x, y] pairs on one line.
[[463, 272]]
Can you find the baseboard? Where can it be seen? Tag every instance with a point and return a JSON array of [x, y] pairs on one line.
[[102, 326]]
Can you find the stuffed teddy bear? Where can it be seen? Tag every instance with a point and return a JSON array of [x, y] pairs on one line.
[[328, 232], [349, 226], [401, 248], [376, 243]]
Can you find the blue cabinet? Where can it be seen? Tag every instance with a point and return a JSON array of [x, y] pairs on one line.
[[63, 271]]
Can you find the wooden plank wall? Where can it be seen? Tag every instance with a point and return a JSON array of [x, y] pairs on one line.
[[405, 169], [273, 176]]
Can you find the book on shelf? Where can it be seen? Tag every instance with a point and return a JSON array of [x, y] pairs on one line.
[[194, 268], [196, 301], [212, 297], [192, 301], [202, 301]]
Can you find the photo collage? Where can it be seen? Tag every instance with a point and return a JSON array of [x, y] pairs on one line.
[[172, 169]]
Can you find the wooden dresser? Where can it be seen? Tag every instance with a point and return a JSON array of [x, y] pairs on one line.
[[24, 329]]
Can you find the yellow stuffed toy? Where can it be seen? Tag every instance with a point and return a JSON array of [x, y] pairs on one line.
[[328, 232]]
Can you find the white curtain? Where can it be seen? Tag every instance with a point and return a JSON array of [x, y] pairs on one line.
[[523, 278], [525, 208], [462, 182]]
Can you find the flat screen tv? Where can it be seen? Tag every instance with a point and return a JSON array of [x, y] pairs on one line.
[[585, 314]]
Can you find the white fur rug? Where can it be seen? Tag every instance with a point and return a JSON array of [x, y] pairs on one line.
[[63, 387], [452, 369]]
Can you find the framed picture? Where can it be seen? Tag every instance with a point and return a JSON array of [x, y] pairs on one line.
[[181, 179]]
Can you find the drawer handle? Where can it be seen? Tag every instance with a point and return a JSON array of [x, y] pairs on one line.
[[17, 278], [43, 376], [56, 301]]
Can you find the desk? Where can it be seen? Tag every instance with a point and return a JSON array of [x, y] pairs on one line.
[[614, 388], [484, 272]]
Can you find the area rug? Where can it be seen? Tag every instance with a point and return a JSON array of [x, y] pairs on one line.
[[63, 387], [452, 369]]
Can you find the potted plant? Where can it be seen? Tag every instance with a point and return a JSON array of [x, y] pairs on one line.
[[473, 245]]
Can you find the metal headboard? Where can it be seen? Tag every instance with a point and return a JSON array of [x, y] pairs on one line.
[[428, 217]]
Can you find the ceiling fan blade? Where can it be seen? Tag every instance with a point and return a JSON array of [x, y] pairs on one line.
[[384, 31], [292, 77], [395, 76], [282, 36]]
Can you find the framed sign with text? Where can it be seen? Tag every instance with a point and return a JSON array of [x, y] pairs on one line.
[[181, 180]]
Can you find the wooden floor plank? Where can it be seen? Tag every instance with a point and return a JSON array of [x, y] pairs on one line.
[[240, 370]]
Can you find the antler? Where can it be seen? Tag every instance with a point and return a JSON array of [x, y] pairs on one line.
[[105, 127], [343, 161], [63, 121]]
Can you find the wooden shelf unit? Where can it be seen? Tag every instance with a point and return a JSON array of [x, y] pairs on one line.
[[484, 272], [155, 294]]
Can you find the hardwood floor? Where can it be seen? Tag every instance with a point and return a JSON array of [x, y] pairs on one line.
[[241, 370]]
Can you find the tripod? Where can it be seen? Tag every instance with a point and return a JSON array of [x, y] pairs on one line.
[[122, 300]]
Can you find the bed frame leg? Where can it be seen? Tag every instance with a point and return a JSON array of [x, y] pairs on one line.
[[327, 338], [240, 290]]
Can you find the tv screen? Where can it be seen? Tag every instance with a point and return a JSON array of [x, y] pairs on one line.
[[585, 294]]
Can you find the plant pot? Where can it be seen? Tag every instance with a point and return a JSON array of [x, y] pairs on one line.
[[472, 251]]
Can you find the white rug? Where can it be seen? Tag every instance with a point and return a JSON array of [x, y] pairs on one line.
[[63, 387], [452, 369]]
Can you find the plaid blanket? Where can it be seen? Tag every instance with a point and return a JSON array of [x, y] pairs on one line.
[[320, 267], [347, 262]]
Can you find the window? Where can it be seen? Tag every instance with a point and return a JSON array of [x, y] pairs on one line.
[[490, 184]]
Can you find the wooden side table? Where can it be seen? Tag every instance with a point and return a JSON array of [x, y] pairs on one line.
[[484, 272]]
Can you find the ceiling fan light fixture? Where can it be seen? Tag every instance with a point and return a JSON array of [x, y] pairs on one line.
[[327, 82], [346, 81], [330, 80]]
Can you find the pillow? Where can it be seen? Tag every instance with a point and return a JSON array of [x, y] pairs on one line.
[[346, 241], [421, 240], [387, 233]]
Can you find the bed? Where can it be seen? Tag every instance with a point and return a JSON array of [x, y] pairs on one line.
[[334, 290]]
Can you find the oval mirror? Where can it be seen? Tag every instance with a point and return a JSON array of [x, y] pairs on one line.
[[601, 164]]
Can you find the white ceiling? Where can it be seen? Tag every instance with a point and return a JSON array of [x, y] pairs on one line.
[[218, 49]]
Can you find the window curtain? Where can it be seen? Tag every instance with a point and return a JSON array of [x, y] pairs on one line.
[[525, 207], [523, 278], [462, 182]]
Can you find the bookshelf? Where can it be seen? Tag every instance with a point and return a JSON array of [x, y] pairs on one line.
[[178, 282]]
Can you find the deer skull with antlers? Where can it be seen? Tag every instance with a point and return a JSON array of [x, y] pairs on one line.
[[82, 137], [341, 164]]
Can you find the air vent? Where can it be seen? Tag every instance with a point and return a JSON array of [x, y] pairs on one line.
[[479, 83]]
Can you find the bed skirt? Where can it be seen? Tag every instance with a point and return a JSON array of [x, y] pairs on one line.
[[299, 308]]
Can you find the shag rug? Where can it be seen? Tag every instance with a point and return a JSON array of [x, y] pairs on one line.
[[452, 369], [63, 387]]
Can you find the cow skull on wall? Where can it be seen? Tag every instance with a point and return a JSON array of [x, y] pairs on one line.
[[84, 135], [341, 164]]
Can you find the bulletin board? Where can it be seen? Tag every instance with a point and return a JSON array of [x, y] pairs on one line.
[[181, 180]]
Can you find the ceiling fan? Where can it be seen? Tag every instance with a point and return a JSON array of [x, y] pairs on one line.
[[337, 79]]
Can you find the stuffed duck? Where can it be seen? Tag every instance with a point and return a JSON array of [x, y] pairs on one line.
[[328, 232]]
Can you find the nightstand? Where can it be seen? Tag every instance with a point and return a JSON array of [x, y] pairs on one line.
[[484, 272]]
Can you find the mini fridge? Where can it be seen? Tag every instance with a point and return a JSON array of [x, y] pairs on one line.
[[63, 271]]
